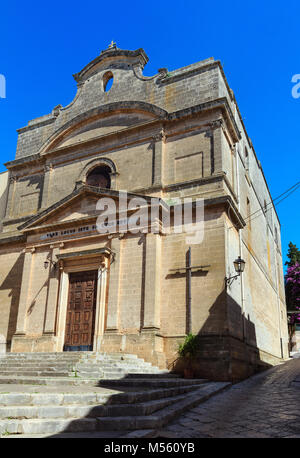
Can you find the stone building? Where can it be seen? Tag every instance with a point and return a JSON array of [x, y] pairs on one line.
[[65, 286]]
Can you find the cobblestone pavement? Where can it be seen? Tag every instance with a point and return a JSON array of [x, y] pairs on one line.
[[265, 405]]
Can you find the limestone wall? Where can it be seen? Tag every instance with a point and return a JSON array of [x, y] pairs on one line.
[[3, 195], [11, 268]]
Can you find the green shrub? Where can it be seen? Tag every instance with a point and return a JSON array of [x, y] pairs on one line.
[[190, 347]]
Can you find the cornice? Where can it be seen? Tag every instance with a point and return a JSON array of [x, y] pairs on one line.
[[139, 55]]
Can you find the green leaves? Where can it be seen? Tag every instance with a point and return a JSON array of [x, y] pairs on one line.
[[293, 255], [190, 347]]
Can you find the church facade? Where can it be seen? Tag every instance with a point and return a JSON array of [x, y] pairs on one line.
[[177, 135]]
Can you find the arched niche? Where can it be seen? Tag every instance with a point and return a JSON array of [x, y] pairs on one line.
[[99, 173]]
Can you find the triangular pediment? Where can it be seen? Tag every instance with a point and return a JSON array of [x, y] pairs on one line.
[[81, 208], [76, 208]]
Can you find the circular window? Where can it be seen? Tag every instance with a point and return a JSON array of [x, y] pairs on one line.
[[108, 79], [99, 177]]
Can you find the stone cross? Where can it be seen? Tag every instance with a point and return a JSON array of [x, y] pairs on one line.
[[187, 271], [112, 44]]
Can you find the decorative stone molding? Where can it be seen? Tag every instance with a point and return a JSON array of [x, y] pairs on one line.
[[13, 179], [162, 73], [48, 167], [56, 110], [96, 163], [216, 123], [83, 254], [160, 136]]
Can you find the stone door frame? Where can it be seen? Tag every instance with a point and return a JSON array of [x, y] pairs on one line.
[[82, 266]]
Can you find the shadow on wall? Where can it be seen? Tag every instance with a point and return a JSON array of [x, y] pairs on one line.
[[12, 283], [3, 199], [198, 273], [38, 182], [227, 344]]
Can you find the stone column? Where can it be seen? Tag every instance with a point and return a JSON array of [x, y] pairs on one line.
[[53, 288], [152, 282], [25, 291], [114, 287]]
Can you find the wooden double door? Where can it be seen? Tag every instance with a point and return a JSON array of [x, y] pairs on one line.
[[81, 311]]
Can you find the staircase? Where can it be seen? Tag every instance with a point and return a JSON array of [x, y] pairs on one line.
[[71, 368], [86, 394]]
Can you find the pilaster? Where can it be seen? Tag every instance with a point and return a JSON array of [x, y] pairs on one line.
[[53, 288], [48, 169], [158, 147], [152, 282], [11, 195], [114, 286], [25, 291]]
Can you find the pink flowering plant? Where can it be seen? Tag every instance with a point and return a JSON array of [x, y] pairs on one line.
[[292, 281]]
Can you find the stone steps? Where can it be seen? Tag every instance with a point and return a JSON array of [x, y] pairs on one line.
[[93, 411], [70, 435], [53, 381], [90, 398], [78, 367], [37, 373], [121, 417], [91, 374], [89, 367], [161, 417], [150, 382], [109, 395], [36, 366], [46, 426], [69, 355], [148, 375], [76, 381]]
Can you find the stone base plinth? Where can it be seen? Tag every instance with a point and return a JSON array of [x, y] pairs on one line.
[[146, 344], [24, 344], [227, 358]]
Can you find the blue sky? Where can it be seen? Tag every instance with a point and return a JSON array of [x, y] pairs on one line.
[[43, 44]]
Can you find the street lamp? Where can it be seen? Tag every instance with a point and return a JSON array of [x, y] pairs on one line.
[[46, 264], [239, 266]]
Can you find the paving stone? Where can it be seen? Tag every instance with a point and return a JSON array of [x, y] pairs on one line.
[[265, 405]]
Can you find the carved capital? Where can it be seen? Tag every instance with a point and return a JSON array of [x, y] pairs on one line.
[[160, 137], [29, 249], [216, 123], [48, 167], [13, 179]]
